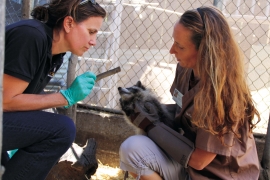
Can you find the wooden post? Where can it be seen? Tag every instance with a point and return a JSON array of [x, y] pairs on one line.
[[73, 60], [27, 6], [265, 162]]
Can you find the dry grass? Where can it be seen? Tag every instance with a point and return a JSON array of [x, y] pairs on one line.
[[105, 172]]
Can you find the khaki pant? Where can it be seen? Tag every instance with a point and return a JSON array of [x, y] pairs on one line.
[[140, 155]]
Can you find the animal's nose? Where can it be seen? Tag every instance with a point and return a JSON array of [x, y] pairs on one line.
[[119, 88]]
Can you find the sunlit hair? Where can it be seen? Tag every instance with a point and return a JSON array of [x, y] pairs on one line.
[[54, 12], [223, 102]]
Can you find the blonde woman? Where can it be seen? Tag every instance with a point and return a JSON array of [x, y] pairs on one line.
[[214, 110]]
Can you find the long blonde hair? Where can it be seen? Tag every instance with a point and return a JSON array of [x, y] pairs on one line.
[[224, 101]]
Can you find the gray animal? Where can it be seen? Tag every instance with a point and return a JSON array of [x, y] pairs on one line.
[[141, 96]]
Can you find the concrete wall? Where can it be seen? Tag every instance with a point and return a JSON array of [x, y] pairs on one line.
[[110, 130]]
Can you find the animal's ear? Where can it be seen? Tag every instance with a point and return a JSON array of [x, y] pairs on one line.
[[139, 84]]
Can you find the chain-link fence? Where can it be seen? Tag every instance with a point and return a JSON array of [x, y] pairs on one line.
[[137, 35]]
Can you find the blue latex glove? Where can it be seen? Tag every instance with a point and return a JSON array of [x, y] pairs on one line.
[[80, 88], [11, 153]]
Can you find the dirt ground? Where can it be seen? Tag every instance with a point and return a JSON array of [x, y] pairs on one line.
[[64, 171], [105, 172]]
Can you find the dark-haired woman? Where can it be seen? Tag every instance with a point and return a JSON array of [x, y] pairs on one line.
[[34, 51]]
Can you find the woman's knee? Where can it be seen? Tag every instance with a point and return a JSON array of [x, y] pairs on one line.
[[66, 130], [134, 145]]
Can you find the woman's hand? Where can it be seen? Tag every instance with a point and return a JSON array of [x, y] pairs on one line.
[[80, 88]]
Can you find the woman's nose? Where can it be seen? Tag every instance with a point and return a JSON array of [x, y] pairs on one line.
[[93, 42], [171, 50]]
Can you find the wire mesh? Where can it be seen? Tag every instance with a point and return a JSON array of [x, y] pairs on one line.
[[137, 35]]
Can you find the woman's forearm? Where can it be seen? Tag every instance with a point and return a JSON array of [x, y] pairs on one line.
[[27, 102]]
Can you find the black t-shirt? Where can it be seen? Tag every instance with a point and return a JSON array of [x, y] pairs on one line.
[[28, 54]]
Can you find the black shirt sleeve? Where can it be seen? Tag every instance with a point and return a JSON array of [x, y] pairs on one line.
[[25, 46]]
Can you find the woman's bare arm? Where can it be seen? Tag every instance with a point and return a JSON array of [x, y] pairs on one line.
[[14, 100], [200, 159]]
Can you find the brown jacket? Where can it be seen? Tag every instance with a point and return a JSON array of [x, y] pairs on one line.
[[237, 161]]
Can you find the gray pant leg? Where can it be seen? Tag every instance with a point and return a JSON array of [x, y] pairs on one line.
[[140, 155]]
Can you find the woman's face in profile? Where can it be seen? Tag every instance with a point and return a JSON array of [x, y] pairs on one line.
[[83, 35], [183, 48]]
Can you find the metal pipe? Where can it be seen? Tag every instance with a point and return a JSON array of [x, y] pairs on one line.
[[108, 73], [218, 3], [2, 57]]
